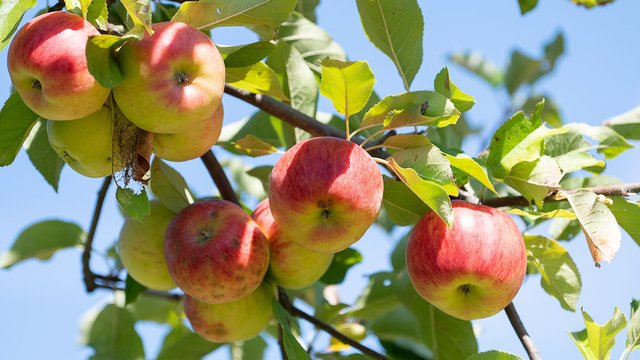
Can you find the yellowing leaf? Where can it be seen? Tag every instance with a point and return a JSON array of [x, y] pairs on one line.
[[535, 180], [348, 84], [353, 330], [429, 164], [140, 13], [596, 341], [534, 215], [405, 141], [258, 78], [253, 146], [467, 164]]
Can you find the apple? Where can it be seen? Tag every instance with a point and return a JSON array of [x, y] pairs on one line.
[[141, 248], [327, 191], [232, 321], [215, 252], [191, 143], [48, 67], [290, 265], [85, 144], [471, 270], [173, 79]]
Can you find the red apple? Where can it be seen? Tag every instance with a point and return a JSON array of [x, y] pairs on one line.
[[215, 252], [48, 67], [173, 79], [290, 265], [327, 191], [471, 270]]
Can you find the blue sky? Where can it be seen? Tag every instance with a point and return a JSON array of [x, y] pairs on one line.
[[597, 78]]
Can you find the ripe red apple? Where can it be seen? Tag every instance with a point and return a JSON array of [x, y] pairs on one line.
[[173, 79], [327, 191], [48, 67], [232, 321], [191, 143], [471, 270], [215, 252], [290, 265]]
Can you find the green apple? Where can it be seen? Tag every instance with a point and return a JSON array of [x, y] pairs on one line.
[[141, 248]]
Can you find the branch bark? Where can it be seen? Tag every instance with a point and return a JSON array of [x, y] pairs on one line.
[[88, 275], [526, 340], [219, 177]]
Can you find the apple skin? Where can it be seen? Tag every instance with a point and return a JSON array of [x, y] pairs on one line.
[[141, 248], [173, 79], [48, 67], [327, 191], [192, 143], [471, 270], [232, 321], [290, 265], [85, 144], [215, 252]]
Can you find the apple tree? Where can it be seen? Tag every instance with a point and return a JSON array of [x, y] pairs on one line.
[[123, 90]]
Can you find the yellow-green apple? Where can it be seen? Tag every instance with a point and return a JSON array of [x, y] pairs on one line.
[[232, 321], [85, 144], [173, 79], [471, 270], [290, 265], [141, 248], [48, 67], [327, 191], [215, 252], [191, 143]]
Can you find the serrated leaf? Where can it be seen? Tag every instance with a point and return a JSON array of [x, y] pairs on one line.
[[262, 16], [169, 186], [113, 336], [627, 214], [612, 144], [403, 206], [140, 13], [292, 347], [182, 343], [571, 152], [340, 265], [41, 240], [396, 28], [591, 3], [598, 224], [348, 84], [536, 179], [521, 70], [11, 13], [434, 195], [535, 215], [258, 78], [560, 275], [16, 122], [480, 66], [101, 60], [468, 165], [494, 355], [134, 206], [527, 5], [430, 164], [626, 124], [253, 146], [550, 113], [43, 157], [595, 342], [248, 350], [245, 55], [443, 85]]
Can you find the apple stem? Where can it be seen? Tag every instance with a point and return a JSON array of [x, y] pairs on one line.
[[526, 340], [219, 177]]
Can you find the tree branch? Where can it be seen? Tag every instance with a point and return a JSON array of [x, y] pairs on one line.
[[89, 276], [524, 337], [288, 305], [219, 178]]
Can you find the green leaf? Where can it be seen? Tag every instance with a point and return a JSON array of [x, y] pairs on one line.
[[113, 336], [536, 179], [78, 7], [41, 240], [353, 330], [480, 66], [395, 27], [430, 164], [348, 84], [527, 5], [571, 152], [249, 349], [140, 13], [443, 85], [626, 124], [598, 223], [434, 195], [260, 124], [101, 60], [560, 275], [262, 16], [612, 144], [262, 173], [398, 255], [245, 55], [97, 14], [399, 334], [258, 78], [595, 342], [292, 347], [521, 70], [135, 206], [627, 214], [550, 113], [468, 165], [403, 205], [405, 141], [154, 308], [182, 343], [16, 122], [379, 297], [308, 8], [553, 214], [244, 184], [553, 50], [132, 290], [43, 157], [591, 3], [11, 13], [633, 330], [169, 186], [340, 265], [253, 146]]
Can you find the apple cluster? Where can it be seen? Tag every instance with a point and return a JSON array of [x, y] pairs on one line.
[[172, 86]]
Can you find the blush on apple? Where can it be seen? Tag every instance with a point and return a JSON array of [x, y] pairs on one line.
[[327, 191], [471, 270]]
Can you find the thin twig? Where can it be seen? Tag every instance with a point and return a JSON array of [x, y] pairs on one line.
[[529, 346], [288, 305], [219, 178], [89, 277]]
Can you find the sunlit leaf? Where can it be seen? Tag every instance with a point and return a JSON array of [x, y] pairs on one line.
[[258, 78], [626, 124], [627, 214], [480, 66], [403, 206], [469, 166], [11, 13], [446, 87], [348, 84], [16, 122], [596, 341], [169, 186]]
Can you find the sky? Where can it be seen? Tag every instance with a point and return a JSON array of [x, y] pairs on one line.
[[41, 302]]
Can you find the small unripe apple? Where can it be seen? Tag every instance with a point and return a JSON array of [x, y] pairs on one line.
[[215, 252], [173, 79], [471, 270], [327, 191], [232, 321], [290, 265], [141, 248], [48, 67]]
